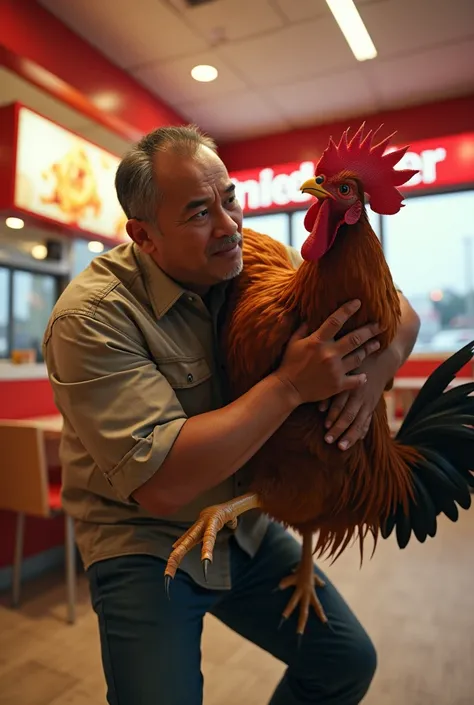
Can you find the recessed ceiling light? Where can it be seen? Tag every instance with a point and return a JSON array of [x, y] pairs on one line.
[[351, 25], [15, 223], [95, 246], [204, 73], [39, 251]]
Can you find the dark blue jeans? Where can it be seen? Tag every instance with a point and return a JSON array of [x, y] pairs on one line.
[[151, 647]]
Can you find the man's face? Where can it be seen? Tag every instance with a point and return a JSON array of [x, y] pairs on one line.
[[197, 237]]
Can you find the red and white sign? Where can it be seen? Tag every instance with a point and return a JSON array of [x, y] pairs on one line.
[[443, 162], [63, 177]]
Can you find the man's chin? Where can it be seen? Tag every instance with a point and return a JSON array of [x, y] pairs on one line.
[[234, 272]]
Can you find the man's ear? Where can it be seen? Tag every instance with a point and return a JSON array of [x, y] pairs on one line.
[[138, 230]]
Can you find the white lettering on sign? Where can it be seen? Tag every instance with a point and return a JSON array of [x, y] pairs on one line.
[[269, 190], [425, 163]]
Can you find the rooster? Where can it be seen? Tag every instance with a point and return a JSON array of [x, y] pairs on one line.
[[382, 483]]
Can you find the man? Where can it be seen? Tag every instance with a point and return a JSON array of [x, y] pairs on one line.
[[150, 439]]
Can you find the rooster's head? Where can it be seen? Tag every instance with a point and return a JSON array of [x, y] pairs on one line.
[[344, 174]]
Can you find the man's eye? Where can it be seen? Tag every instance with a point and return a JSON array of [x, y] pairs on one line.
[[232, 199], [200, 215]]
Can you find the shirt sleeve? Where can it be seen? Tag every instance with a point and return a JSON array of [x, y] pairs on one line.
[[121, 408]]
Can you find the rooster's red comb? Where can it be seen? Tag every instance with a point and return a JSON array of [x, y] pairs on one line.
[[369, 163]]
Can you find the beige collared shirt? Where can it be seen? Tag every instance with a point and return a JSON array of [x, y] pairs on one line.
[[131, 355]]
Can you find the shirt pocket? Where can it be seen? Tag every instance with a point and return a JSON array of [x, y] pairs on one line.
[[191, 380]]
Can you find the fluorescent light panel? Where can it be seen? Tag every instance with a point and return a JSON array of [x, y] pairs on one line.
[[351, 25]]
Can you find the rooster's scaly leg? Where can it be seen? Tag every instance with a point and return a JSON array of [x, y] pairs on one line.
[[205, 529], [304, 581]]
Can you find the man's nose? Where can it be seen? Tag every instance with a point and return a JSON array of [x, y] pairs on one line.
[[225, 225]]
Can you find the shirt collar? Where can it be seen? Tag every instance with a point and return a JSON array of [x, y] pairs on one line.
[[163, 291]]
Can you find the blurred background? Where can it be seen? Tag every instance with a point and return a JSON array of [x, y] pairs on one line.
[[270, 81]]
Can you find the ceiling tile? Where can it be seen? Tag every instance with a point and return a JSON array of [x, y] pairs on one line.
[[268, 60], [131, 33], [441, 72], [230, 20], [298, 10], [401, 26], [324, 98], [173, 81], [235, 116]]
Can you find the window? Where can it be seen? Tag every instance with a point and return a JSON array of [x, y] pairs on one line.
[[34, 296], [81, 256], [4, 310], [429, 246], [277, 225]]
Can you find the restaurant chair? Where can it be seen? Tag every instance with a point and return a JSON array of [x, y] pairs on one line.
[[25, 488]]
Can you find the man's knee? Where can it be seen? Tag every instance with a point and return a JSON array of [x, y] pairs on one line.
[[344, 672], [359, 664]]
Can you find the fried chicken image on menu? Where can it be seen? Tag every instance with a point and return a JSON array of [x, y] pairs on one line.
[[75, 186]]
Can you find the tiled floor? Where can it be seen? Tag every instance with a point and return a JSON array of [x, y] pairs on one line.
[[418, 606]]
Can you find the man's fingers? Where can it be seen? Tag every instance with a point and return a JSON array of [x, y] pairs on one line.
[[351, 382], [350, 418], [355, 340], [366, 427], [336, 407], [354, 360], [300, 332], [334, 324], [357, 430]]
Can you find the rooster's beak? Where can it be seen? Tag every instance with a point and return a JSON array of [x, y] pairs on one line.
[[310, 186]]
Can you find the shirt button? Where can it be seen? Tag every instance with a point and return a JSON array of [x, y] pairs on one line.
[[190, 298], [190, 378]]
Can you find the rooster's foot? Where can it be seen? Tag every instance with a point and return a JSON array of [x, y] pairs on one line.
[[211, 521], [304, 581]]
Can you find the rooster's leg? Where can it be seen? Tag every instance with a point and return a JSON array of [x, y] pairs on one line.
[[205, 529], [304, 580]]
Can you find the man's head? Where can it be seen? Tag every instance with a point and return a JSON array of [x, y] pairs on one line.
[[181, 206]]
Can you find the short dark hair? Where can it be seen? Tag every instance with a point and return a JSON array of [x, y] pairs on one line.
[[135, 181]]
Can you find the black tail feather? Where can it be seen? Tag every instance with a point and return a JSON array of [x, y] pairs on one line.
[[439, 380], [440, 426]]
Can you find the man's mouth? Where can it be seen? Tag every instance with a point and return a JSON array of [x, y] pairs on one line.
[[228, 247]]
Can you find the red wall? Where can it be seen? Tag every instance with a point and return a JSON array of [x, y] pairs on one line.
[[20, 399], [417, 123]]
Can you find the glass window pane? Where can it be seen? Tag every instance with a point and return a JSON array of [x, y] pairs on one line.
[[429, 246], [4, 310], [298, 231], [374, 220], [34, 296], [82, 256], [277, 225]]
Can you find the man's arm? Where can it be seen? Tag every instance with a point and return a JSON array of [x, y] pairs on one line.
[[407, 333], [128, 417]]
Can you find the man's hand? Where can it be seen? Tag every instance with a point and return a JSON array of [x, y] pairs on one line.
[[350, 413]]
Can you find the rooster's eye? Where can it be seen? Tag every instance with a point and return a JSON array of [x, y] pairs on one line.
[[344, 189], [319, 179]]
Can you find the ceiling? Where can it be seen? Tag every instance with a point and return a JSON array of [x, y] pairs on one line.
[[282, 64], [13, 89]]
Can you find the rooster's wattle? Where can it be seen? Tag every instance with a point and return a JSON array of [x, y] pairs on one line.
[[381, 483]]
